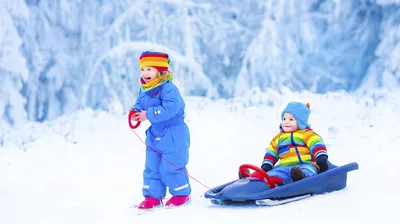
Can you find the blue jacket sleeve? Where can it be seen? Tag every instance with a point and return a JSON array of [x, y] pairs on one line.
[[138, 106], [171, 103]]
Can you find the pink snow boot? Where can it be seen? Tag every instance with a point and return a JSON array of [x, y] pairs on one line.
[[150, 203], [176, 201]]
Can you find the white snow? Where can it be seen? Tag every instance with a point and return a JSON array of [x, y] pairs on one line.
[[87, 167]]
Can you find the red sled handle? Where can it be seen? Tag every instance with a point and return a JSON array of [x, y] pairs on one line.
[[259, 174], [130, 116]]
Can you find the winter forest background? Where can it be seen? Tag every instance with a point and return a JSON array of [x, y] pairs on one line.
[[59, 56]]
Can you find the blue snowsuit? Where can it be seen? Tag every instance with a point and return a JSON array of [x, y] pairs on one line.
[[169, 136]]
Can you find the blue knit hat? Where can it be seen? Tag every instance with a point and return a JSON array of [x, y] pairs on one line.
[[300, 111]]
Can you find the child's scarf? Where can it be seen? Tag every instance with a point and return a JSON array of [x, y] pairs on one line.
[[155, 82]]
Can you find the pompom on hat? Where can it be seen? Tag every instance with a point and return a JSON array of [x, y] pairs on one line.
[[155, 59], [300, 111]]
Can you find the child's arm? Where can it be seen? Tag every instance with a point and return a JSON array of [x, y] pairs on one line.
[[137, 107], [271, 156], [318, 149], [171, 103], [315, 143]]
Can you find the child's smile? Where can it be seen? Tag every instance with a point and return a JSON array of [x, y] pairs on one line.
[[147, 79], [148, 73]]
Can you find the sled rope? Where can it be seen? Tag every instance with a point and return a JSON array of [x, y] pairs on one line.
[[172, 164]]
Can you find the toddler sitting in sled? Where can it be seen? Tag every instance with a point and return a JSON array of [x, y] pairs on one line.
[[300, 150]]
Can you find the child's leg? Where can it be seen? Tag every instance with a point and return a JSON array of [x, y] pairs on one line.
[[175, 175], [285, 172], [308, 169], [281, 171], [152, 184]]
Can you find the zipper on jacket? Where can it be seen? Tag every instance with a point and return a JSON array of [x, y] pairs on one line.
[[295, 147]]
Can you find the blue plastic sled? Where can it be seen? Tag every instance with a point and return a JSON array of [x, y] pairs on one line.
[[252, 190]]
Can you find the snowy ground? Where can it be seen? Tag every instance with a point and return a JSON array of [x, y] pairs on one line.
[[87, 167]]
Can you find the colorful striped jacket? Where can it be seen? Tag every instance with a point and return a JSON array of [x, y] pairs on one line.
[[301, 146]]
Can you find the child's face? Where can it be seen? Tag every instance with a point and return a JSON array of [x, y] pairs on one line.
[[148, 73], [289, 123]]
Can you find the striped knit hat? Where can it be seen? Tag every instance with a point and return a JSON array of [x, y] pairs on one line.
[[158, 60]]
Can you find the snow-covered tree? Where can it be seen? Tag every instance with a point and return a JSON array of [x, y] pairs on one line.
[[57, 56], [162, 25], [384, 72], [13, 72], [315, 45]]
